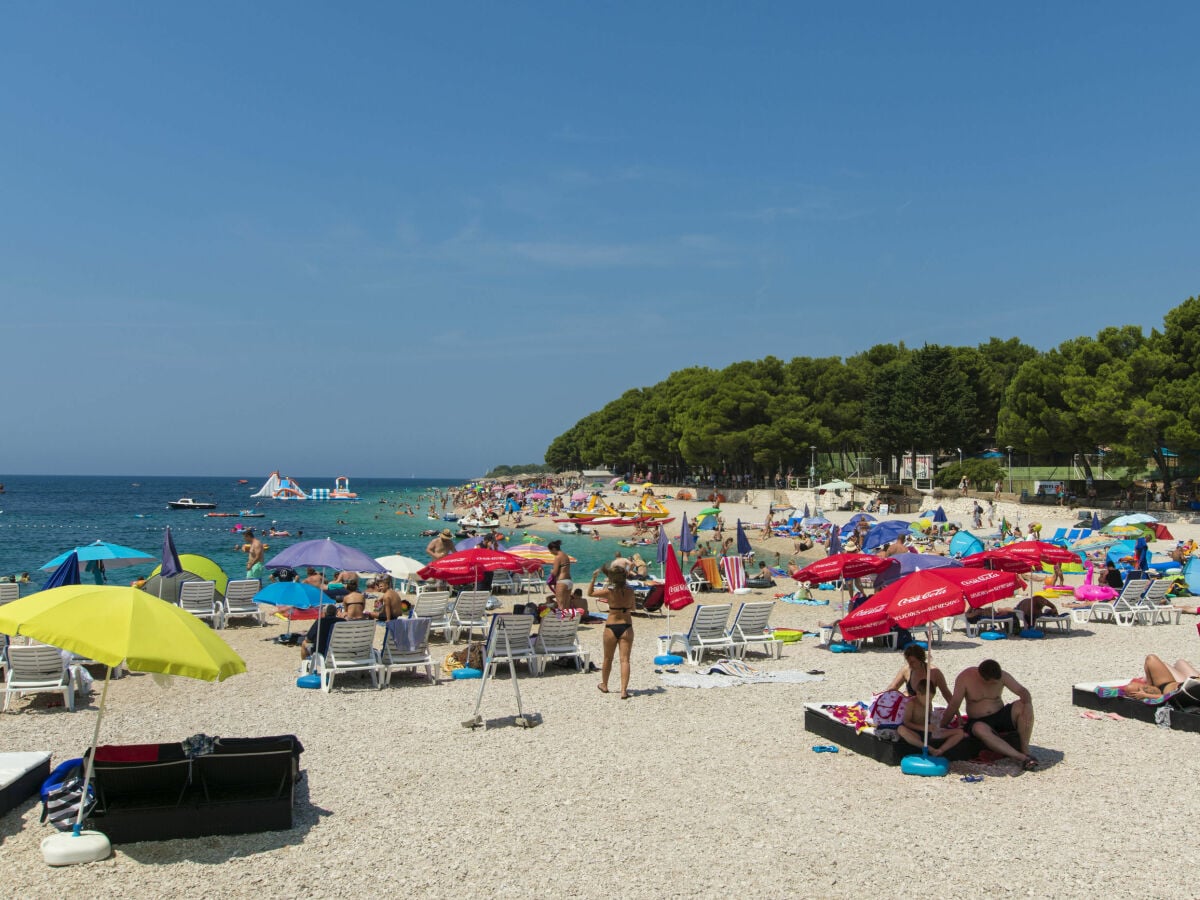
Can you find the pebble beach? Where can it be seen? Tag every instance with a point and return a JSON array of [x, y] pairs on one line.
[[676, 792]]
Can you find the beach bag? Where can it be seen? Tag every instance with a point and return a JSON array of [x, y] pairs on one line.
[[61, 794], [887, 709], [654, 599]]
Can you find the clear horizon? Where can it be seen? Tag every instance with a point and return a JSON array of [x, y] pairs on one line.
[[433, 238]]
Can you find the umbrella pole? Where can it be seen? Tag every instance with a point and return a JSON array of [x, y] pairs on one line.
[[91, 760]]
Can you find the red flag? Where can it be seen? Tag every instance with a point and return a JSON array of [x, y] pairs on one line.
[[677, 594]]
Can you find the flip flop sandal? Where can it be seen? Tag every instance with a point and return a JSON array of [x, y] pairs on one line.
[[1091, 715], [1116, 717], [816, 672], [1029, 764], [824, 748], [972, 779]]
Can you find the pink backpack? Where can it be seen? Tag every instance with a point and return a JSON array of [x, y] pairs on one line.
[[887, 709]]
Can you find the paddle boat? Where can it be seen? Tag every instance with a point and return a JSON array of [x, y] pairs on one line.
[[189, 503]]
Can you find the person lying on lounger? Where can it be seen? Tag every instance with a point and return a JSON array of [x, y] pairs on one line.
[[1160, 679], [1041, 607], [912, 729]]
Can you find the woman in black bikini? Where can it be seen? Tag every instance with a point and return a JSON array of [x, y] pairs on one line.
[[915, 670], [1160, 678], [619, 630]]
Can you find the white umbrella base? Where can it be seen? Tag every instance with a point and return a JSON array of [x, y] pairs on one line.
[[70, 849]]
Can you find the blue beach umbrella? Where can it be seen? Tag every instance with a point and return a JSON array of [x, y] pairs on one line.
[[1095, 521], [805, 516], [884, 533], [67, 573], [939, 515], [112, 555], [296, 594], [835, 543], [687, 540], [743, 542], [664, 544]]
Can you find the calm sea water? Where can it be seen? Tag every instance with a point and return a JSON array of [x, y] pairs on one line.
[[46, 515]]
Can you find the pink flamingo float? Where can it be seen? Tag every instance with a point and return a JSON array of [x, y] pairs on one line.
[[1090, 593]]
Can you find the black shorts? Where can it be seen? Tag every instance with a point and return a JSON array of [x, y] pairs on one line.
[[1001, 721]]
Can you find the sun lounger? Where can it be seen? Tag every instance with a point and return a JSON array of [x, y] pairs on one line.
[[351, 649], [406, 646], [1123, 608], [1156, 607], [468, 614], [707, 632], [733, 572], [38, 669], [434, 606], [750, 630], [1006, 623], [1180, 711], [559, 639], [1061, 622], [200, 599], [239, 600], [878, 744], [9, 591], [21, 774]]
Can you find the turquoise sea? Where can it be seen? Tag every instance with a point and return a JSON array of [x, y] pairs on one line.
[[44, 515]]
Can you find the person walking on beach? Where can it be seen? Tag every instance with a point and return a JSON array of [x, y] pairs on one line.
[[988, 717], [253, 548], [618, 630]]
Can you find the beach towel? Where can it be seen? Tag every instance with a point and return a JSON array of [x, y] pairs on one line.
[[408, 635], [734, 573], [707, 680], [712, 573]]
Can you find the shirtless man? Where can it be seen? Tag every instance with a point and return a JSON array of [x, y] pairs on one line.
[[988, 717], [441, 545], [253, 548], [560, 571], [315, 578]]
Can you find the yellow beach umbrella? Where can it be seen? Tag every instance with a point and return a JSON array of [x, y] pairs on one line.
[[113, 625], [535, 551], [201, 566]]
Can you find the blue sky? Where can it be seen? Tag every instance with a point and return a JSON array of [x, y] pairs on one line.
[[426, 239]]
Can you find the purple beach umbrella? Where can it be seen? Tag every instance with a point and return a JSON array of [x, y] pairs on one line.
[[325, 554], [171, 565], [687, 540]]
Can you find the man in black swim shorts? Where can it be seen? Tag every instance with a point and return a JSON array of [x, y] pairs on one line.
[[988, 717]]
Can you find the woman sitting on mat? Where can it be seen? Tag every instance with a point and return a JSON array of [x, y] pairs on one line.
[[916, 670], [618, 632], [1160, 679], [913, 727]]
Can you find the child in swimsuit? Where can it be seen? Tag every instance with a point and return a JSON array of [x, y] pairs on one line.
[[913, 727]]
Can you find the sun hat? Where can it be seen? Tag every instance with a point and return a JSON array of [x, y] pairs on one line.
[[446, 533]]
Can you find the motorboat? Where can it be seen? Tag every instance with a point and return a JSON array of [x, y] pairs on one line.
[[189, 503], [250, 514], [478, 523]]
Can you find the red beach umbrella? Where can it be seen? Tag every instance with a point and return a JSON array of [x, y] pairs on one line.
[[468, 566], [842, 565], [924, 596], [1000, 561], [1039, 552]]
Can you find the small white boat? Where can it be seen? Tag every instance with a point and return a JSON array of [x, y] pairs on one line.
[[189, 503], [568, 528], [479, 523]]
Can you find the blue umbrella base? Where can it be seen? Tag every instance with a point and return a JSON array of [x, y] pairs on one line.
[[840, 647], [668, 659], [462, 674], [311, 682], [926, 766], [992, 636], [1034, 633]]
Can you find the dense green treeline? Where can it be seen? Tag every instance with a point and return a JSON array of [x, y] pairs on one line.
[[1128, 392]]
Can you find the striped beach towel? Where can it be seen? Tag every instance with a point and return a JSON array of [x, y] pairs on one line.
[[734, 572]]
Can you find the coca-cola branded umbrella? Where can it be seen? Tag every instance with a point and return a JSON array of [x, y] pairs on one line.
[[469, 566], [841, 565], [924, 596]]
